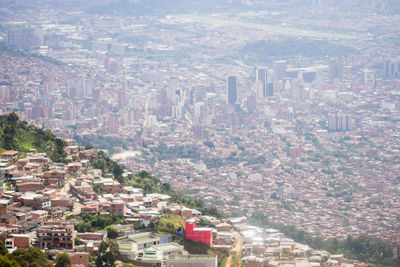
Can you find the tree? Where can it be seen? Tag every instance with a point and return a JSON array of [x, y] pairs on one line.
[[117, 170], [6, 262], [108, 253], [63, 260], [59, 150], [3, 249], [8, 137], [30, 257], [111, 232], [12, 118], [166, 187], [89, 146], [143, 174]]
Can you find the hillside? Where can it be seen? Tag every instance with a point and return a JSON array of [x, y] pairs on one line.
[[18, 135]]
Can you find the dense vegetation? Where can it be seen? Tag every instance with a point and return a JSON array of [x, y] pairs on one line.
[[108, 253], [93, 222], [364, 248], [23, 257], [18, 135], [63, 260]]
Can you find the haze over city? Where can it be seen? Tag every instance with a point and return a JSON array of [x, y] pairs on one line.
[[278, 114]]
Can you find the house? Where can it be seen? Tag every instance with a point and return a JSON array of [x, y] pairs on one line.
[[145, 240], [29, 186], [74, 166], [197, 234], [17, 241], [40, 214], [92, 209], [88, 154], [128, 249], [79, 259], [118, 206], [9, 155], [3, 206], [253, 261], [168, 249], [224, 227], [54, 177], [56, 236]]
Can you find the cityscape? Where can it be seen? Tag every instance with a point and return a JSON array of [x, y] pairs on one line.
[[280, 114]]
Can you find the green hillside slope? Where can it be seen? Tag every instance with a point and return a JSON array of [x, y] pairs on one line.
[[18, 135]]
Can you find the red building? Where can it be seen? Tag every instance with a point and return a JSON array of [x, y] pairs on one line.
[[197, 234]]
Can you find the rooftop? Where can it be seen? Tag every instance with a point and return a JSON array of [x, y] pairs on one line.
[[193, 257]]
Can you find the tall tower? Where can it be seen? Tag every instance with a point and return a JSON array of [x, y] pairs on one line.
[[261, 81], [279, 70], [335, 69], [232, 89]]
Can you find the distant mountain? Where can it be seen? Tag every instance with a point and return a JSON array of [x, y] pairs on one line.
[[161, 7]]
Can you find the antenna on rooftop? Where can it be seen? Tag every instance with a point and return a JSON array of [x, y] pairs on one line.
[[181, 216]]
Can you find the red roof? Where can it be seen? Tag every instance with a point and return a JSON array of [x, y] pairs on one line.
[[10, 153]]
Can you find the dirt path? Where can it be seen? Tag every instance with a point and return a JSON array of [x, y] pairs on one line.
[[237, 248]]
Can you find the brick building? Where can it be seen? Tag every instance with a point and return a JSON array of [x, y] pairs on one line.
[[54, 177], [118, 207], [79, 259], [56, 236], [3, 206], [29, 186]]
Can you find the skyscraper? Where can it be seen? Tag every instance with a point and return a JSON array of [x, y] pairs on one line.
[[335, 69], [261, 81], [279, 70], [391, 69], [340, 122], [232, 89]]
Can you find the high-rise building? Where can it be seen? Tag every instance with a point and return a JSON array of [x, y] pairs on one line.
[[279, 70], [22, 38], [340, 122], [335, 69], [232, 89], [261, 81], [368, 76], [270, 89], [391, 69], [113, 124], [122, 99]]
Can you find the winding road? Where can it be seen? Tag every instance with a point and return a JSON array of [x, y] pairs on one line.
[[237, 248]]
